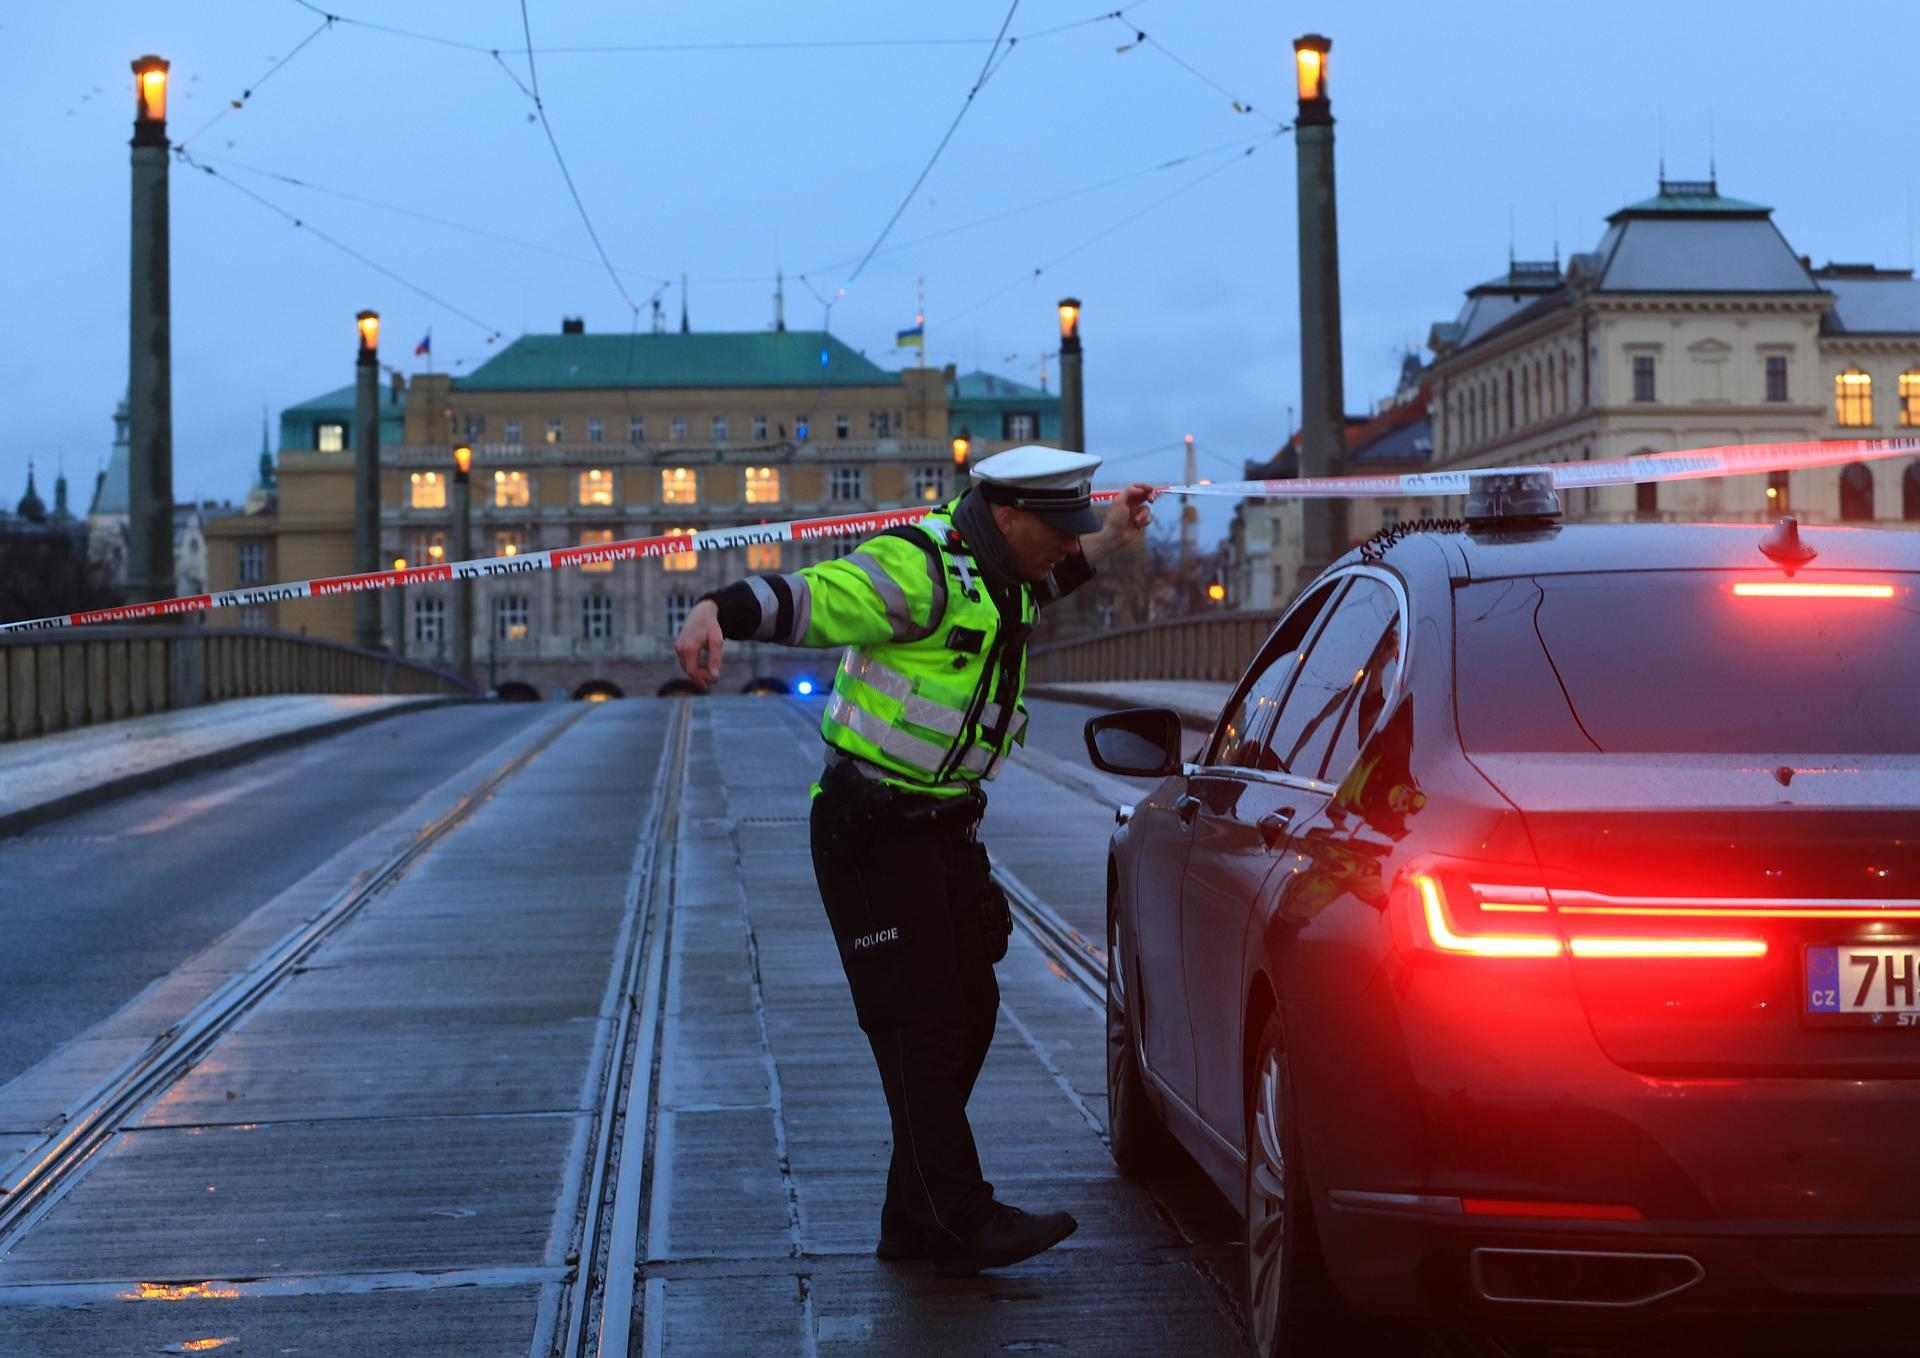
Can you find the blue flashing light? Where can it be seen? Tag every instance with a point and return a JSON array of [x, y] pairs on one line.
[[823, 355], [804, 688]]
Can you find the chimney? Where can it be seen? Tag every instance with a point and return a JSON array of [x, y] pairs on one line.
[[573, 325]]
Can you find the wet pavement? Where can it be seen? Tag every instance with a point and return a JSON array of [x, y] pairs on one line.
[[394, 1144]]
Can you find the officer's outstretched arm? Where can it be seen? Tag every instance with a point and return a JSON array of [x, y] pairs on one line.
[[884, 591]]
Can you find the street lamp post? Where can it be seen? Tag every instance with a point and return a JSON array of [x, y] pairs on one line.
[[1073, 407], [1322, 397], [366, 475], [150, 347], [962, 459], [462, 551], [397, 612]]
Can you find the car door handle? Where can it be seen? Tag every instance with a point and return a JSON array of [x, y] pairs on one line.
[[1187, 807], [1273, 827]]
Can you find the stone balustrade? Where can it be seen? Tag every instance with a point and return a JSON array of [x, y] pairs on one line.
[[1204, 646]]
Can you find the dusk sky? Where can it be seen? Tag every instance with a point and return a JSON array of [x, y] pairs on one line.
[[1456, 125]]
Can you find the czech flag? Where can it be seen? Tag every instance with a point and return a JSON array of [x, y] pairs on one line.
[[425, 346], [915, 338]]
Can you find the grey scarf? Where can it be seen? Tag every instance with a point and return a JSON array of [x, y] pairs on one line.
[[974, 518]]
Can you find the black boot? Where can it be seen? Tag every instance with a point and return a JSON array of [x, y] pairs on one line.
[[1007, 1236]]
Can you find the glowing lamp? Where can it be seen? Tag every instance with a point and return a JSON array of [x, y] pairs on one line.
[[1310, 65], [463, 460], [962, 446], [804, 688], [399, 563], [368, 323], [1069, 321], [1216, 591], [150, 89]]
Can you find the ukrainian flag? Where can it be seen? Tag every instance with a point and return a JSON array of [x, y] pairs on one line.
[[915, 338]]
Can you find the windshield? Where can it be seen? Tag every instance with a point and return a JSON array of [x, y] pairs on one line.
[[1671, 662]]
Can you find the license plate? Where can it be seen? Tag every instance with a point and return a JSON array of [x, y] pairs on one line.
[[1875, 985]]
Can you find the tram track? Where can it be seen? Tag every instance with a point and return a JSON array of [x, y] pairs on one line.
[[36, 1181], [596, 1305]]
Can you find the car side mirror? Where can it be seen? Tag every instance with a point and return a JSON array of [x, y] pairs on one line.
[[1141, 742]]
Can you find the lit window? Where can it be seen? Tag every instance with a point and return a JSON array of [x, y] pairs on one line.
[[556, 430], [679, 561], [510, 490], [880, 423], [929, 484], [1910, 398], [842, 426], [430, 619], [1776, 377], [596, 431], [253, 562], [428, 490], [637, 429], [678, 606], [1778, 501], [759, 427], [847, 483], [596, 537], [763, 485], [330, 438], [511, 433], [763, 556], [1642, 378], [510, 617], [1853, 399], [426, 548], [679, 427], [509, 542], [596, 617], [679, 486], [596, 486], [719, 428], [1020, 426]]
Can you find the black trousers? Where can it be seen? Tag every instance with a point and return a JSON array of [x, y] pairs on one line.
[[903, 899]]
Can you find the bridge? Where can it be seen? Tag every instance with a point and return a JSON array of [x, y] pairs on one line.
[[462, 1027]]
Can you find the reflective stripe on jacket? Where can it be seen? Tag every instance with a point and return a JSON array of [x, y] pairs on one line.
[[923, 690]]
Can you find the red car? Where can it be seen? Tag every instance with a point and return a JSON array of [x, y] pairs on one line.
[[1534, 949]]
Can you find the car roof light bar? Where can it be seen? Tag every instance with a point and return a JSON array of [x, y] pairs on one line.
[[1510, 496]]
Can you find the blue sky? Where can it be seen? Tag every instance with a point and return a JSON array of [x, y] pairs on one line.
[[1460, 128]]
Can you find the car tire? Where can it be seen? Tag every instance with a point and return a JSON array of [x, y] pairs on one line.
[[1292, 1309], [1139, 1139]]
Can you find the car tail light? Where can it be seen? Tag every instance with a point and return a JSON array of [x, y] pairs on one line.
[[1482, 920], [1783, 589]]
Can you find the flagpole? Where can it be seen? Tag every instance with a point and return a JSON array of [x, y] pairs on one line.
[[920, 317]]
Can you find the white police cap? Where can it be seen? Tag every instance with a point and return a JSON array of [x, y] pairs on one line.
[[1051, 482]]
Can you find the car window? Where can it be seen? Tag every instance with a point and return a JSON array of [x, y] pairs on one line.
[[1674, 662], [1334, 669], [1237, 740], [1367, 703]]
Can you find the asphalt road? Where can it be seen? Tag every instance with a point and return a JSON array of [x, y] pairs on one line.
[[101, 904]]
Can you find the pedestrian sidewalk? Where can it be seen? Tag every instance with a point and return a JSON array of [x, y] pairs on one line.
[[50, 776], [1197, 702]]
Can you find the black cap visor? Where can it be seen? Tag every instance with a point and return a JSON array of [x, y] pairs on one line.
[[1070, 511]]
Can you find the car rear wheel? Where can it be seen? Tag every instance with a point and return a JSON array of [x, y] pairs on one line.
[[1140, 1142], [1292, 1308]]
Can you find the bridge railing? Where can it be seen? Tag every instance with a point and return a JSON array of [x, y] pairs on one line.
[[1205, 646], [54, 682]]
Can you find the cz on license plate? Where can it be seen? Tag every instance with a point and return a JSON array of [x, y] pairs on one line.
[[1867, 985]]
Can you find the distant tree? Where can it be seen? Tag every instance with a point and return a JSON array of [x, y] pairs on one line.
[[45, 574]]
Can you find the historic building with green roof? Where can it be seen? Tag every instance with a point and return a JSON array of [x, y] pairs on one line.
[[582, 438]]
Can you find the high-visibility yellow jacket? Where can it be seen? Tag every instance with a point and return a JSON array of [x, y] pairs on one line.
[[928, 693]]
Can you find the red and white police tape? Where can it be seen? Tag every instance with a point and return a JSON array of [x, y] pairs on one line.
[[1693, 464]]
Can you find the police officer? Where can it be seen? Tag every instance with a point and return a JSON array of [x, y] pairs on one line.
[[926, 706]]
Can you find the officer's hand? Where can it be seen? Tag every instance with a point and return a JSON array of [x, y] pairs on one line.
[[1129, 512], [700, 642]]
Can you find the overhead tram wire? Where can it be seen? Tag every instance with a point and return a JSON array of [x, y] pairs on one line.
[[246, 95], [492, 332], [1142, 38], [987, 69], [1040, 269], [540, 107]]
